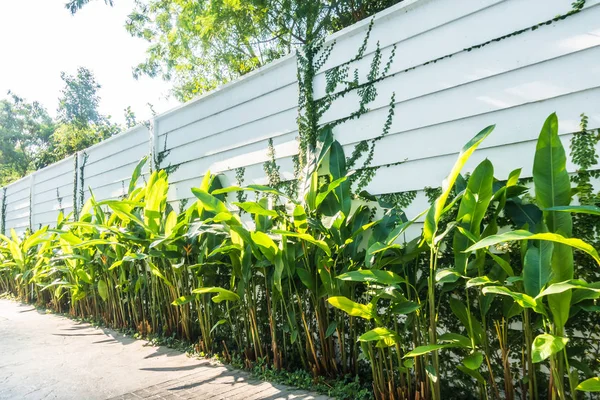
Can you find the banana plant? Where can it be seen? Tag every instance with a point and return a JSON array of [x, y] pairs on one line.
[[23, 253], [546, 286], [433, 238], [325, 278]]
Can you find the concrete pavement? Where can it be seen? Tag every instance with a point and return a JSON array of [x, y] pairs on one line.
[[45, 356]]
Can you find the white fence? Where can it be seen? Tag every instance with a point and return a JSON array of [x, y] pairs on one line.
[[447, 86]]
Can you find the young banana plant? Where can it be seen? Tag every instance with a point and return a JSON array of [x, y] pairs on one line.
[[24, 254], [546, 286]]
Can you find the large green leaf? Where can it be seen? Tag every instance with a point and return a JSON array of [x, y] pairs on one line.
[[14, 249], [222, 294], [324, 142], [157, 272], [522, 299], [337, 168], [331, 187], [553, 189], [306, 237], [473, 361], [455, 338], [592, 210], [278, 272], [103, 289], [35, 238], [352, 308], [480, 281], [561, 287], [256, 208], [550, 176], [210, 202], [435, 212], [306, 278], [379, 334], [331, 329], [70, 237], [525, 235], [171, 223], [536, 267], [472, 209], [266, 245], [137, 172], [405, 307], [183, 300], [545, 345], [156, 197], [523, 215], [123, 210], [589, 385], [97, 242], [300, 219], [372, 276], [421, 350]]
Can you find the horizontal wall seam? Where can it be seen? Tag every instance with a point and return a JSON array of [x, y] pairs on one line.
[[483, 146], [160, 134]]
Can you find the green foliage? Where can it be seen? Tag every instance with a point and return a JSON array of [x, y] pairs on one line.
[[320, 280], [346, 388], [590, 385], [30, 139], [399, 200], [78, 104], [271, 168], [546, 345], [202, 44], [25, 133], [130, 119], [3, 212], [325, 283], [75, 5]]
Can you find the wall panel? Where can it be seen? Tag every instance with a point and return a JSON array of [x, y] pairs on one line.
[[447, 87]]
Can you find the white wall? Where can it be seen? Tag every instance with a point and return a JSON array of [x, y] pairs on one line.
[[514, 83], [110, 163], [17, 204], [52, 192]]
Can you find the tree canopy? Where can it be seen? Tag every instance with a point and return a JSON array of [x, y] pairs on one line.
[[25, 133], [30, 139], [79, 99], [200, 44]]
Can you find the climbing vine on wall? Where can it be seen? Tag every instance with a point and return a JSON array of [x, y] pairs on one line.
[[84, 159], [3, 212], [584, 156], [59, 200], [272, 170], [161, 156], [75, 183], [400, 199], [78, 183], [239, 178], [340, 81]]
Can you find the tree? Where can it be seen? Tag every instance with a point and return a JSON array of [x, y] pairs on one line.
[[25, 132], [130, 119], [75, 5], [81, 124], [200, 44], [79, 101]]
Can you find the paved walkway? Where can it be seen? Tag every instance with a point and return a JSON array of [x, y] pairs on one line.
[[52, 357]]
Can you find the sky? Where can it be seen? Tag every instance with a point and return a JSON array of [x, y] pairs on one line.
[[40, 38]]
